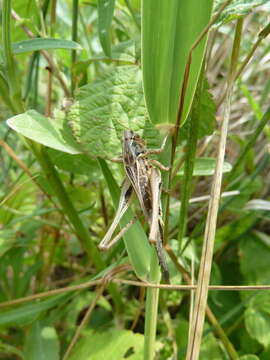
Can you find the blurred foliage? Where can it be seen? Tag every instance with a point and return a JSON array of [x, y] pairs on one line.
[[39, 247]]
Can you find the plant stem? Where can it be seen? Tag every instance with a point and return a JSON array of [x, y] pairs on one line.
[[151, 309], [75, 14], [4, 91], [194, 342], [190, 158], [13, 83]]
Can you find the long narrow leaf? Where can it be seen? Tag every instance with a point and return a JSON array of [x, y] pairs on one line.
[[105, 15], [43, 44], [169, 29]]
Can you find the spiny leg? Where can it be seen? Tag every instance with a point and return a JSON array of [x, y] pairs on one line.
[[159, 165], [159, 150], [162, 260], [155, 183], [124, 202], [121, 233]]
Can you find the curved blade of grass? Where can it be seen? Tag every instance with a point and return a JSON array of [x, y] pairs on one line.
[[105, 15], [136, 242], [28, 312], [43, 44], [190, 160], [169, 29]]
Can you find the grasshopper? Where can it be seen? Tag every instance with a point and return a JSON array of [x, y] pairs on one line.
[[144, 180]]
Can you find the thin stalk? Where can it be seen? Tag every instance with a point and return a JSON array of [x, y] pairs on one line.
[[190, 159], [30, 73], [208, 312], [85, 320], [75, 14], [194, 342], [48, 109], [4, 91], [13, 83], [52, 17], [151, 309], [36, 83]]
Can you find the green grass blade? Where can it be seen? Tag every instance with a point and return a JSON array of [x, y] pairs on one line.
[[105, 15], [169, 29], [43, 44], [190, 160]]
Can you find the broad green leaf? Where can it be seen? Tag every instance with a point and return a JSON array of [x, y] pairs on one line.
[[108, 345], [249, 357], [29, 312], [44, 44], [49, 132], [169, 29], [41, 343], [247, 344], [105, 15], [265, 355], [106, 107], [257, 318], [77, 163], [206, 167], [210, 349], [95, 122], [236, 9]]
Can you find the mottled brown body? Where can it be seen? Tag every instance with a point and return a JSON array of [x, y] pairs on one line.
[[138, 170], [146, 182]]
